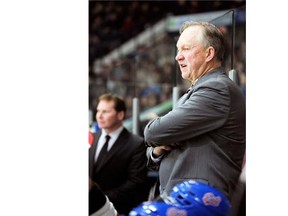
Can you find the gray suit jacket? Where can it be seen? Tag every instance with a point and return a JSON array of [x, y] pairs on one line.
[[207, 130]]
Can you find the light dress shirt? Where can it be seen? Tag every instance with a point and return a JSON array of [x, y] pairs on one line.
[[113, 136]]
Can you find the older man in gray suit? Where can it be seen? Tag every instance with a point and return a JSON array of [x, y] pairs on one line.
[[203, 137]]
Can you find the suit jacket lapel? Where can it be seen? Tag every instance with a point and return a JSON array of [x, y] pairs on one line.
[[93, 152], [120, 141], [185, 97]]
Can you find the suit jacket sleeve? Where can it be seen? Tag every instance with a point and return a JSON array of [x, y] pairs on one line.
[[150, 163], [206, 108]]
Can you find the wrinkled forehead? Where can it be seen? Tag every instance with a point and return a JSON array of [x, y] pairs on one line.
[[190, 36]]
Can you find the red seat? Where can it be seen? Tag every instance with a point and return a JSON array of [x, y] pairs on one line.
[[91, 138]]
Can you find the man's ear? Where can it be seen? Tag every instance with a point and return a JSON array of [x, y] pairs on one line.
[[210, 53], [121, 115]]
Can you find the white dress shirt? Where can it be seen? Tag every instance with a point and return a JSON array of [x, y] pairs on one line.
[[113, 136]]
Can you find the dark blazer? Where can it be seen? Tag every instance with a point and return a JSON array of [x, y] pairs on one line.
[[207, 129], [123, 175]]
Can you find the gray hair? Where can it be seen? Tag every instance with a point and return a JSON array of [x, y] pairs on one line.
[[211, 36]]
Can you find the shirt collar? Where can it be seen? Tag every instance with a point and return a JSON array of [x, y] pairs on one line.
[[113, 134]]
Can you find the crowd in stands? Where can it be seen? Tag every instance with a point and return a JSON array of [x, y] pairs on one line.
[[111, 23], [150, 72]]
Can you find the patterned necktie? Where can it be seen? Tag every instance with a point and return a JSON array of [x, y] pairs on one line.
[[103, 151]]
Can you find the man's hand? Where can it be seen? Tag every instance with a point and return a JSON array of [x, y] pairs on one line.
[[160, 150]]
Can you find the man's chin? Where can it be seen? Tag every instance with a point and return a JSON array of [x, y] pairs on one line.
[[184, 76], [101, 126]]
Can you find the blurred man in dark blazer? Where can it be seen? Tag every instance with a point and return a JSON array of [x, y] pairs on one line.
[[122, 172]]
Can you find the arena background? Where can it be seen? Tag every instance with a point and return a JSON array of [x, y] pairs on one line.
[[134, 55]]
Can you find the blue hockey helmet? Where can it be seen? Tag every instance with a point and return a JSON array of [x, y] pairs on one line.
[[157, 208], [200, 198], [189, 198]]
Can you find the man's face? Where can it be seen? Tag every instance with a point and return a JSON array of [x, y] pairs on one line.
[[191, 54], [107, 117]]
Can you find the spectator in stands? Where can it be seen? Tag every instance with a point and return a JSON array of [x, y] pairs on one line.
[[121, 172], [203, 137]]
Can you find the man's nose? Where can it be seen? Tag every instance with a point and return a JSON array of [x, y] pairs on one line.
[[179, 56]]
